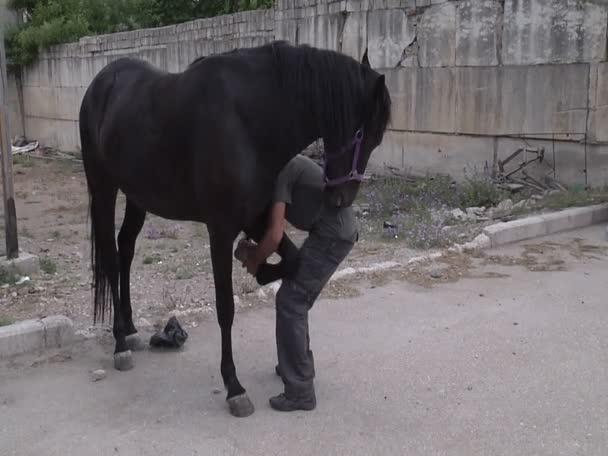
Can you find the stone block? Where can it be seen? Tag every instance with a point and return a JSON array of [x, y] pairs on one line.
[[39, 101], [354, 35], [531, 227], [566, 220], [424, 99], [426, 153], [35, 335], [598, 103], [517, 230], [15, 114], [554, 31], [597, 164], [24, 265], [521, 99], [436, 32], [59, 134], [287, 30], [60, 103], [321, 31], [390, 32], [22, 337], [58, 331], [477, 28]]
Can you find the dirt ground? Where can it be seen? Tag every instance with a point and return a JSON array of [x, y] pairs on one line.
[[171, 273]]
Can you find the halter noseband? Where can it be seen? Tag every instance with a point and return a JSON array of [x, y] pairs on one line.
[[354, 173]]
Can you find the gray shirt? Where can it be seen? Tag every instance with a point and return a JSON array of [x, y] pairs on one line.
[[300, 186]]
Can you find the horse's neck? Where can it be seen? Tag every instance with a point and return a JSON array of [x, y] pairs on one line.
[[296, 133]]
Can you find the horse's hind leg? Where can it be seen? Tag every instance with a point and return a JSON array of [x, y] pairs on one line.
[[106, 265], [130, 229]]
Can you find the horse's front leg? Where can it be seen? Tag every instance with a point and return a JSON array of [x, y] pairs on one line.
[[221, 257]]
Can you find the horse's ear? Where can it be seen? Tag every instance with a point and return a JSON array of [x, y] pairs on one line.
[[365, 60]]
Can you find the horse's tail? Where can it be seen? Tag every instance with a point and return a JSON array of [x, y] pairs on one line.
[[101, 205]]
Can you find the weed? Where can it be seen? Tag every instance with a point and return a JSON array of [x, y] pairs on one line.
[[478, 189], [200, 231], [25, 232], [5, 321], [8, 277], [245, 284], [184, 273], [23, 160], [152, 259], [47, 265], [570, 198], [164, 233], [420, 229]]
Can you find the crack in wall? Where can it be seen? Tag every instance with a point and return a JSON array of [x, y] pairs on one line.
[[341, 24], [500, 23]]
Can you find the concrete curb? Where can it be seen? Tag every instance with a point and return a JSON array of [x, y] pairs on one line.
[[35, 335], [545, 224], [25, 265], [494, 236]]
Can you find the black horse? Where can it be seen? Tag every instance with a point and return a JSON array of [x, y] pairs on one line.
[[206, 145]]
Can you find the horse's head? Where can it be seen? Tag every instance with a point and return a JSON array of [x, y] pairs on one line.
[[344, 169]]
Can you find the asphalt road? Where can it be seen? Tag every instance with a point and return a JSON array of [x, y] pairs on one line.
[[515, 364]]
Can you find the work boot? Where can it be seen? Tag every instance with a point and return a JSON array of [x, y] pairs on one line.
[[283, 404]]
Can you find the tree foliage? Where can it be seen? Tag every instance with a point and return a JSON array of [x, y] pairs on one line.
[[50, 22]]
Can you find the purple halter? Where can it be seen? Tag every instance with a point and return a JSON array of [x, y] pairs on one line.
[[354, 173]]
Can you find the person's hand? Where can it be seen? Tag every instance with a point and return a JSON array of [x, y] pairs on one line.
[[251, 264]]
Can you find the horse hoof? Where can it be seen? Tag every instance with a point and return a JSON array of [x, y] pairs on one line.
[[134, 343], [240, 406], [123, 361]]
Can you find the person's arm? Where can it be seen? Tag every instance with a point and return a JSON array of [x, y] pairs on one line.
[[271, 239]]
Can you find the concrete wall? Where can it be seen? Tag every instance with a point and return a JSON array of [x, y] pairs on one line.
[[7, 17], [464, 75]]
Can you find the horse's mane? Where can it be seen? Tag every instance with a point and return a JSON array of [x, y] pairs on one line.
[[329, 83]]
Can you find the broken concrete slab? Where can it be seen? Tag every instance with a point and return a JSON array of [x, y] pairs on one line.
[[390, 33]]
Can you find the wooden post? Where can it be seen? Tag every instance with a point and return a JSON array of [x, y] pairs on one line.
[[10, 214]]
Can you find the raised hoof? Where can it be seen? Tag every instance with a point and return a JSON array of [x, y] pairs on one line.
[[134, 343], [123, 361], [240, 406]]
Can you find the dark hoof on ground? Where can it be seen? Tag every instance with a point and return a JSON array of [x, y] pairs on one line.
[[134, 343], [123, 361], [240, 406]]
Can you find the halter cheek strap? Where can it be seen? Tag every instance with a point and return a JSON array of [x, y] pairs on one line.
[[354, 173]]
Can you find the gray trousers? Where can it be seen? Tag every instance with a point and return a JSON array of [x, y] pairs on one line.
[[319, 257]]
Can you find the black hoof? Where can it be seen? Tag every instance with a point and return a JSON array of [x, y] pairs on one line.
[[240, 406], [268, 273], [123, 361], [134, 343]]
